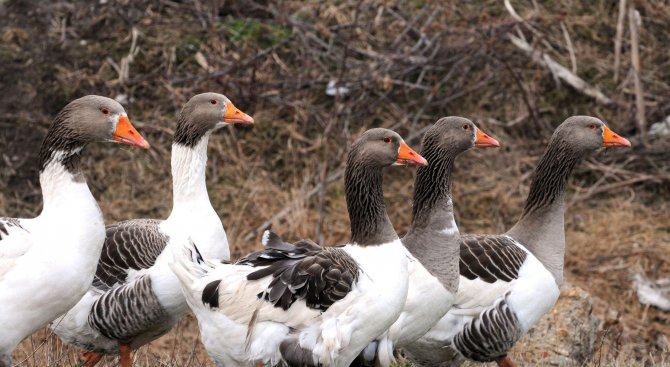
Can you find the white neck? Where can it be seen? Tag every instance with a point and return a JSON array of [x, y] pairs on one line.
[[192, 211], [188, 174], [62, 188]]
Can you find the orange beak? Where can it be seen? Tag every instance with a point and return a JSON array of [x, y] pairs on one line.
[[407, 155], [235, 116], [612, 139], [125, 133], [485, 141]]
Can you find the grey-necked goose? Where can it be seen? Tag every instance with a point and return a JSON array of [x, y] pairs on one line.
[[134, 297], [433, 239], [508, 281], [303, 304], [47, 262]]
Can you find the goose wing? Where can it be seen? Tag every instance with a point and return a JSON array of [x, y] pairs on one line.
[[130, 246], [303, 270], [489, 266]]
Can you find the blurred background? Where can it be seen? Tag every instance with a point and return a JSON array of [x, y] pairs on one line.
[[314, 75]]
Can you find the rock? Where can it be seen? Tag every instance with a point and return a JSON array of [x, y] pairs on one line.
[[653, 292], [563, 337], [661, 128]]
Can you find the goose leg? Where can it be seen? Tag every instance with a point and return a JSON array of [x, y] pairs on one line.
[[91, 358], [505, 362], [124, 349]]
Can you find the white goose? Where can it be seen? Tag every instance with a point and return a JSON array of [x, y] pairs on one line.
[[303, 304], [507, 282], [48, 262], [433, 239], [135, 298]]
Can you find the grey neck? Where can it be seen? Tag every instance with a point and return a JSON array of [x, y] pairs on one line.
[[370, 225], [541, 227], [433, 237]]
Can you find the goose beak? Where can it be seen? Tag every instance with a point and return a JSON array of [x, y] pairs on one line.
[[235, 116], [612, 139], [125, 133], [407, 155], [484, 141]]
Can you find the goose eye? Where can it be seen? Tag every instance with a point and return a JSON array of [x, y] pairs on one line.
[[592, 126], [213, 101], [104, 111], [466, 127], [387, 140]]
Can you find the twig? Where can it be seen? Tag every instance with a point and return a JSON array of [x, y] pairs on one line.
[[287, 209], [635, 23], [571, 50], [619, 36]]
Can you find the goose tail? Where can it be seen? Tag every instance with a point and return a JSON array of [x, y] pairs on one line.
[[190, 265]]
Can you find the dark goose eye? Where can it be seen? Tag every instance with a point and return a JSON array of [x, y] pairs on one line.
[[466, 127], [213, 101], [592, 126], [387, 140], [104, 111]]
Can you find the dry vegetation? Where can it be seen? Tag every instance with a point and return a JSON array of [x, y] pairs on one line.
[[405, 64]]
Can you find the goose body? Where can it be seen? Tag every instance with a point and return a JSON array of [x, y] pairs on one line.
[[134, 297], [47, 262], [433, 239], [303, 304], [242, 330], [503, 291], [508, 282]]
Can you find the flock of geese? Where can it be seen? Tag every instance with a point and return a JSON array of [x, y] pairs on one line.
[[440, 296]]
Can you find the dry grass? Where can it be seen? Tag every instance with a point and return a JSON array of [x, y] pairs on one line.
[[406, 65]]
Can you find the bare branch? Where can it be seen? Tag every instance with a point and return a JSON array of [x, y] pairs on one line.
[[619, 36], [561, 72], [635, 23]]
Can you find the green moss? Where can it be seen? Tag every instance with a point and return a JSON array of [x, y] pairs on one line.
[[262, 34]]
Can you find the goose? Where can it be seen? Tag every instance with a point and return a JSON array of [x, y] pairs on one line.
[[47, 262], [433, 238], [508, 281], [134, 297], [303, 304]]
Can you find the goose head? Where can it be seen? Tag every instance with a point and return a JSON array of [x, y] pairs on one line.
[[382, 147], [457, 134], [586, 134], [204, 113], [96, 119]]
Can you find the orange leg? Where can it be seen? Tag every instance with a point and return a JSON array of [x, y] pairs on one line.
[[126, 360], [260, 365], [505, 362], [91, 358]]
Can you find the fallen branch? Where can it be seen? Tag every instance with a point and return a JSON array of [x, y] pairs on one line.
[[561, 72]]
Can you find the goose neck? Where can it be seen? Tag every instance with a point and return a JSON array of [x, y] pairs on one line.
[[433, 237], [541, 226], [61, 178], [188, 173], [433, 207], [370, 224]]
